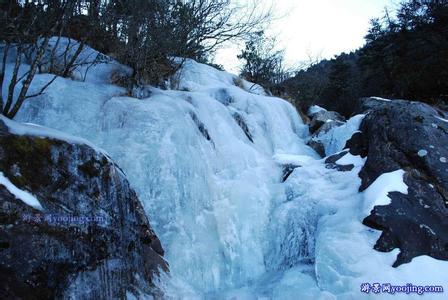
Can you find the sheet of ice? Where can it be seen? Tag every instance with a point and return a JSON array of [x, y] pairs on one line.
[[298, 160], [377, 192], [334, 140], [22, 195], [315, 109], [195, 76]]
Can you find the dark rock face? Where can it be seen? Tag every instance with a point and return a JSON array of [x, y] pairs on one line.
[[91, 241], [414, 137], [327, 126], [201, 127], [287, 171], [317, 146], [320, 118], [240, 121]]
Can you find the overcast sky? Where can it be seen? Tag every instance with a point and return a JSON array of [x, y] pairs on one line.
[[322, 28]]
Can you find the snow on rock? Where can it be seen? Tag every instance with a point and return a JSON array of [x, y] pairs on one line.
[[22, 195], [391, 135], [381, 99], [441, 119], [315, 109], [377, 193], [422, 153], [349, 159], [41, 131]]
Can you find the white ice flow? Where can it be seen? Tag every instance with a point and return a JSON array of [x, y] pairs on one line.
[[205, 160]]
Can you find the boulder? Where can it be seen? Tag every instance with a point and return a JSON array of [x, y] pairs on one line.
[[326, 127], [411, 136], [88, 239], [321, 117]]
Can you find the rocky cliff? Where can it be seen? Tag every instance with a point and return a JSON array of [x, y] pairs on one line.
[[88, 237], [411, 136]]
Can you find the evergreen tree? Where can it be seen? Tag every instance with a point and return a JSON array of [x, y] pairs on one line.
[[263, 64]]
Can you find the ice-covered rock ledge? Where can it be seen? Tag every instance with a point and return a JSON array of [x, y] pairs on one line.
[[410, 136], [70, 225]]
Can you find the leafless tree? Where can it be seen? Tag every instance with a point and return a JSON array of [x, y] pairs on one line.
[[27, 31], [147, 35], [152, 32]]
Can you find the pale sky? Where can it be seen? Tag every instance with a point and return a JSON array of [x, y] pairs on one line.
[[321, 28]]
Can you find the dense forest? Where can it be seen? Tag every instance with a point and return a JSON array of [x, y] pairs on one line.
[[404, 57]]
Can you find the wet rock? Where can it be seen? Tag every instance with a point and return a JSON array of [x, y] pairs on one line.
[[92, 240], [322, 117], [317, 146], [326, 127], [287, 171], [201, 127], [240, 121]]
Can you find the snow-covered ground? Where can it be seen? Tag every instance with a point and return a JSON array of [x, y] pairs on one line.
[[206, 161]]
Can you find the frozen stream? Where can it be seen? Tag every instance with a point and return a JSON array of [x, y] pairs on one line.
[[205, 160]]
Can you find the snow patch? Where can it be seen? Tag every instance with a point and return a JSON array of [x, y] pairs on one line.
[[297, 160], [194, 76], [349, 159], [24, 196], [377, 193], [441, 119], [381, 99], [44, 132], [315, 109]]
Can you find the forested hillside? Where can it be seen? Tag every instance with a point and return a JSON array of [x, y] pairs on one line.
[[405, 56]]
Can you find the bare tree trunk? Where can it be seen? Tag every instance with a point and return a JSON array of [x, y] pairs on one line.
[[26, 84], [2, 73], [13, 81], [73, 59]]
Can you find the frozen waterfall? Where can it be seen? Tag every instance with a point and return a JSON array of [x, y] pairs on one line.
[[203, 160]]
